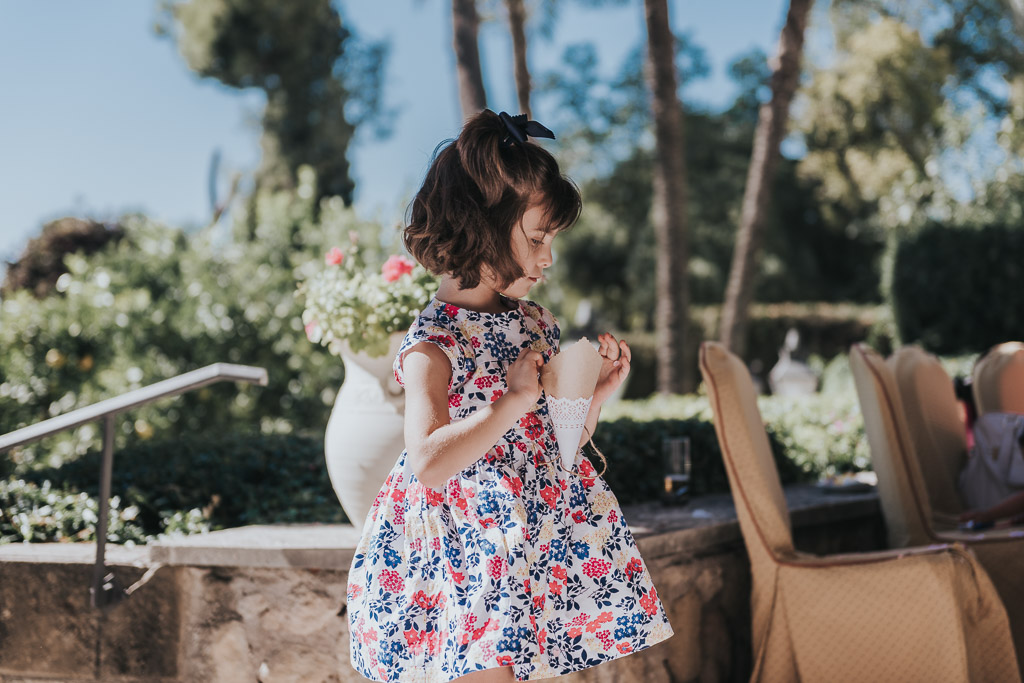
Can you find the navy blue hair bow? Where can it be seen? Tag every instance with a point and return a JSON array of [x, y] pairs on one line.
[[519, 129]]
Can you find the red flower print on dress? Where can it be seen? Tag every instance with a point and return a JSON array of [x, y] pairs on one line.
[[428, 602], [550, 496], [396, 266], [531, 423], [443, 339], [455, 400], [624, 648], [556, 587], [558, 571], [602, 618], [649, 601], [579, 516], [504, 660], [496, 567], [391, 581], [513, 484], [613, 516], [606, 639], [354, 590], [485, 381], [634, 567], [595, 567], [496, 394], [450, 311]]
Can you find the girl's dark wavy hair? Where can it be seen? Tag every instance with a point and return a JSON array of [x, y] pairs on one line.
[[475, 194]]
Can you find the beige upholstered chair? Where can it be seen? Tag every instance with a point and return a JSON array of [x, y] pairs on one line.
[[937, 433], [920, 614], [901, 488], [998, 380]]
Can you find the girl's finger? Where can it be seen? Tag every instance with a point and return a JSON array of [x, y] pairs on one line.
[[624, 350]]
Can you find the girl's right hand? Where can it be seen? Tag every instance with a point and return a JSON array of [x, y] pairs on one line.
[[523, 378]]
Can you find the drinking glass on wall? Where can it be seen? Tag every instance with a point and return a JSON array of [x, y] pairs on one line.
[[677, 470]]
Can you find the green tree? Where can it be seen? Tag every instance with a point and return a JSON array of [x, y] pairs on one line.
[[321, 82]]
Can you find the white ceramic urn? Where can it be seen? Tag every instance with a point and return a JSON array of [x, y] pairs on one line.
[[365, 434]]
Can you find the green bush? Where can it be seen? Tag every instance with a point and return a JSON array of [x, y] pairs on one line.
[[160, 302], [819, 434], [40, 513], [228, 480], [636, 463], [957, 290]]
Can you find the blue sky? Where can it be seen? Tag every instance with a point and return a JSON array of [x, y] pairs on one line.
[[100, 116]]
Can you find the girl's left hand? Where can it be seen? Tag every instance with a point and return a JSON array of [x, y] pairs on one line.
[[616, 355]]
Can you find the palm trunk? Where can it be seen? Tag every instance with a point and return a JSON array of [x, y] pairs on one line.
[[517, 26], [772, 121], [465, 27], [669, 203]]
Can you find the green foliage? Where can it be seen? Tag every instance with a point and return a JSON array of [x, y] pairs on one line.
[[636, 461], [811, 436], [32, 513], [826, 331], [608, 258], [159, 303], [216, 480], [352, 303], [957, 290], [321, 82]]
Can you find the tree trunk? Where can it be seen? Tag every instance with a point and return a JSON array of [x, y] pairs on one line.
[[668, 208], [465, 26], [517, 26], [772, 121]]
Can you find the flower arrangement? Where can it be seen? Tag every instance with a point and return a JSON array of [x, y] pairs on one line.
[[351, 303]]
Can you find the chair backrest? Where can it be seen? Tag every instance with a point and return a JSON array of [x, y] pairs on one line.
[[900, 484], [998, 380], [753, 478], [936, 431]]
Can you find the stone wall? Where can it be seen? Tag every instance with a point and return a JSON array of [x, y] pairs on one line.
[[267, 604]]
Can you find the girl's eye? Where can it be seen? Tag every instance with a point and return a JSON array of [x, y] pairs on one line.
[[537, 242]]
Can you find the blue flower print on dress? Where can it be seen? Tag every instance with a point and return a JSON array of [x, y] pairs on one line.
[[514, 563]]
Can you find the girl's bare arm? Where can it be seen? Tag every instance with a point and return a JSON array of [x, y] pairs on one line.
[[439, 448]]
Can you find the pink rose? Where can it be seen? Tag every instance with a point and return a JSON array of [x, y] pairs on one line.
[[334, 257], [396, 266]]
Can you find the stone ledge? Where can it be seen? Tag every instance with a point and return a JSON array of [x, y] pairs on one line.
[[703, 526], [309, 546]]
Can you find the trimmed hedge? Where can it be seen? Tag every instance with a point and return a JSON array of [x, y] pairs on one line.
[[636, 465], [231, 479], [958, 290]]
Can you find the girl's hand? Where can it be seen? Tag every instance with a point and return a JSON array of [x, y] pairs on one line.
[[616, 355], [523, 377]]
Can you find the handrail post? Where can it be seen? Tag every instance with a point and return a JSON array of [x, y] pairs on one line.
[[103, 592]]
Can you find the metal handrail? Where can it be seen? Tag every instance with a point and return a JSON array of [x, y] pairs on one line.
[[105, 589]]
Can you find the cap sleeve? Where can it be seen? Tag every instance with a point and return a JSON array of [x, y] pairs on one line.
[[544, 323], [443, 339]]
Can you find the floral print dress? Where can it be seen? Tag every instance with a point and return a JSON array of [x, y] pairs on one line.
[[516, 562]]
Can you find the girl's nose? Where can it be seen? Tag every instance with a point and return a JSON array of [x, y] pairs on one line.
[[546, 257]]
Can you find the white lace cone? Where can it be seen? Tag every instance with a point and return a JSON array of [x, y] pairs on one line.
[[569, 380], [568, 415]]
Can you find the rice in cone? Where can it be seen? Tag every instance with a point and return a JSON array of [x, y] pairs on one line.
[[569, 380]]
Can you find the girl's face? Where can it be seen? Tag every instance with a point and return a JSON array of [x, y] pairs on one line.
[[531, 246]]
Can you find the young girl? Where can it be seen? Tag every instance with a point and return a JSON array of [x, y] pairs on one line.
[[480, 553]]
